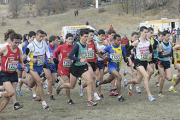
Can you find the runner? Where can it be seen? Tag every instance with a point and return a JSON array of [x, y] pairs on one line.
[[115, 53], [65, 62], [165, 52], [134, 37], [36, 57], [79, 67], [143, 51], [10, 55], [20, 72], [50, 68], [92, 66]]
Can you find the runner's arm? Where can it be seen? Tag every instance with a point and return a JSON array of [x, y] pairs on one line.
[[124, 54], [134, 44], [73, 52], [55, 53], [3, 50], [160, 54], [47, 50]]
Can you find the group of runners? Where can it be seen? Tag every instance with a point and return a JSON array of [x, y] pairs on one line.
[[35, 60]]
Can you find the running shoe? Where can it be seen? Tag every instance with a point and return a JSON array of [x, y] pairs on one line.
[[138, 90], [17, 106], [91, 103], [81, 90], [70, 102], [125, 84], [151, 98], [129, 91], [155, 74], [121, 99], [58, 89], [112, 93], [172, 90], [52, 98], [45, 105], [174, 79], [36, 98], [114, 89], [97, 83], [101, 95], [160, 95], [19, 91], [145, 90], [97, 98], [125, 71], [157, 84]]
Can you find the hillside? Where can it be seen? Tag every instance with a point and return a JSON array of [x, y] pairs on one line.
[[122, 23]]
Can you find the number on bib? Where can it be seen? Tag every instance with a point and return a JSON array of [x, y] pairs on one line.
[[40, 60], [67, 62], [90, 54], [115, 57], [12, 65]]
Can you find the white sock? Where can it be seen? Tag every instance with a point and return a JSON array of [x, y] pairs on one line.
[[171, 87], [95, 94], [19, 80], [130, 87], [34, 95], [176, 76], [0, 94], [119, 96], [98, 83], [43, 102]]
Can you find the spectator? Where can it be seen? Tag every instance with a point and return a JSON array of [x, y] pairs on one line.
[[124, 40], [87, 23], [168, 30], [75, 13], [111, 27]]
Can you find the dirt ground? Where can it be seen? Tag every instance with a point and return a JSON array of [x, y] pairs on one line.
[[136, 107]]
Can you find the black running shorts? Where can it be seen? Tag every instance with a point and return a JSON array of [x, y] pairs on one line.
[[9, 77], [77, 71], [138, 63]]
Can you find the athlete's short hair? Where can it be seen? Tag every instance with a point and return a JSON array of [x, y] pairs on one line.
[[134, 33], [116, 36], [15, 36], [91, 30], [165, 32], [160, 33], [52, 38], [110, 31], [142, 28], [40, 32], [31, 33], [83, 31], [8, 34], [101, 31], [150, 29], [69, 35]]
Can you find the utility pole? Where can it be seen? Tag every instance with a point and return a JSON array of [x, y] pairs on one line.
[[96, 3]]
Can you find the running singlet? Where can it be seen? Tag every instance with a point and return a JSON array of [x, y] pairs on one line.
[[177, 55], [26, 44], [10, 61], [142, 51], [165, 51], [100, 47], [156, 51], [64, 50], [91, 55], [82, 53], [37, 51], [51, 55], [115, 53]]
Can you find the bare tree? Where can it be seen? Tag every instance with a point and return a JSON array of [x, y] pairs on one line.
[[15, 7]]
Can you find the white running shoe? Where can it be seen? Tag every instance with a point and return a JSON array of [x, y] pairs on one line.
[[151, 98], [138, 90], [97, 98], [81, 90]]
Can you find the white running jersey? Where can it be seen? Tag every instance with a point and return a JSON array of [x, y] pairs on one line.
[[100, 47], [142, 50]]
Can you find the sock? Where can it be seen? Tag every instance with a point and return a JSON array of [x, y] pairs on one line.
[[160, 92], [19, 80], [95, 94], [43, 102], [176, 76], [98, 83], [0, 94], [34, 95], [119, 96], [171, 87], [130, 87]]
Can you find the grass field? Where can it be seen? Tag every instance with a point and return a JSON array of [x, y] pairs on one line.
[[136, 107]]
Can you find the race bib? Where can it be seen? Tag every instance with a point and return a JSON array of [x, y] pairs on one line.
[[82, 56], [115, 57], [90, 54], [67, 62], [144, 55], [12, 65], [40, 60]]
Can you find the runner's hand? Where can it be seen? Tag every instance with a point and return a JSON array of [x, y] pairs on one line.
[[83, 60], [34, 60], [108, 59]]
